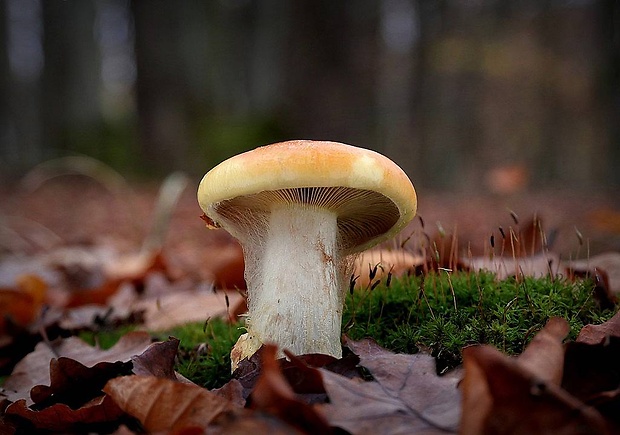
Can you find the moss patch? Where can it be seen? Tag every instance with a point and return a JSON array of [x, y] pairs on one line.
[[204, 350], [445, 312]]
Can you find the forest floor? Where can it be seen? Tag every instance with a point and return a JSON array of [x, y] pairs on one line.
[[73, 216]]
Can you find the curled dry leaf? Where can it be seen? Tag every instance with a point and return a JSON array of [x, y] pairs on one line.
[[74, 384], [131, 268], [595, 334], [73, 399], [157, 360], [225, 266], [233, 392], [274, 395], [544, 356], [164, 405], [502, 396], [62, 418]]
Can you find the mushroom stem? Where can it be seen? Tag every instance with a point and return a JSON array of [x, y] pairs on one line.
[[295, 281]]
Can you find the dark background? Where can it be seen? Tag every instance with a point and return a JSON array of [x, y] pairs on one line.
[[486, 96]]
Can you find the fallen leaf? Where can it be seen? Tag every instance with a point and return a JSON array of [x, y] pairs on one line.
[[502, 396], [397, 262], [246, 421], [22, 304], [544, 355], [274, 395], [300, 372], [131, 269], [34, 368], [233, 392], [73, 397], [185, 307], [591, 374], [157, 360], [406, 395], [225, 266], [74, 384], [538, 266], [596, 334], [608, 262], [62, 418], [164, 405]]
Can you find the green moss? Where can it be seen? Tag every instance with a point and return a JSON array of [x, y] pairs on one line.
[[105, 338], [446, 311], [204, 350]]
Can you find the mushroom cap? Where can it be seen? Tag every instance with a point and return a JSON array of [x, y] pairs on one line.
[[371, 195]]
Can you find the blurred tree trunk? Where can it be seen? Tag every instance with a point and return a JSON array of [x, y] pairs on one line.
[[396, 83], [20, 121], [610, 12], [331, 70], [6, 150], [71, 76], [160, 85]]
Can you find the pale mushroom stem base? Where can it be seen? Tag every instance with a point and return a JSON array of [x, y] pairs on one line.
[[295, 281]]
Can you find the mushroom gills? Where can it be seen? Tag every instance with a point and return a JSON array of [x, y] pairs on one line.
[[362, 214]]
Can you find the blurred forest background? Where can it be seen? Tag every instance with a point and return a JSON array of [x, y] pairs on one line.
[[492, 95]]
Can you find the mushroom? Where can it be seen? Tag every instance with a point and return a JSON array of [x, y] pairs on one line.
[[301, 210]]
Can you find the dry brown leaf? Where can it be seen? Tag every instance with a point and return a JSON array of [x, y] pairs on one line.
[[398, 262], [538, 266], [62, 418], [131, 269], [406, 396], [34, 368], [595, 334], [157, 360], [245, 422], [184, 307], [274, 395], [591, 374], [22, 304], [225, 266], [73, 397], [544, 355], [165, 405], [608, 262], [74, 384], [502, 396], [233, 392]]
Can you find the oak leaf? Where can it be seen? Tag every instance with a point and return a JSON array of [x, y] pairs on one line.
[[406, 395]]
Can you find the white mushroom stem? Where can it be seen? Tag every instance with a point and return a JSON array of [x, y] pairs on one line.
[[295, 281]]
